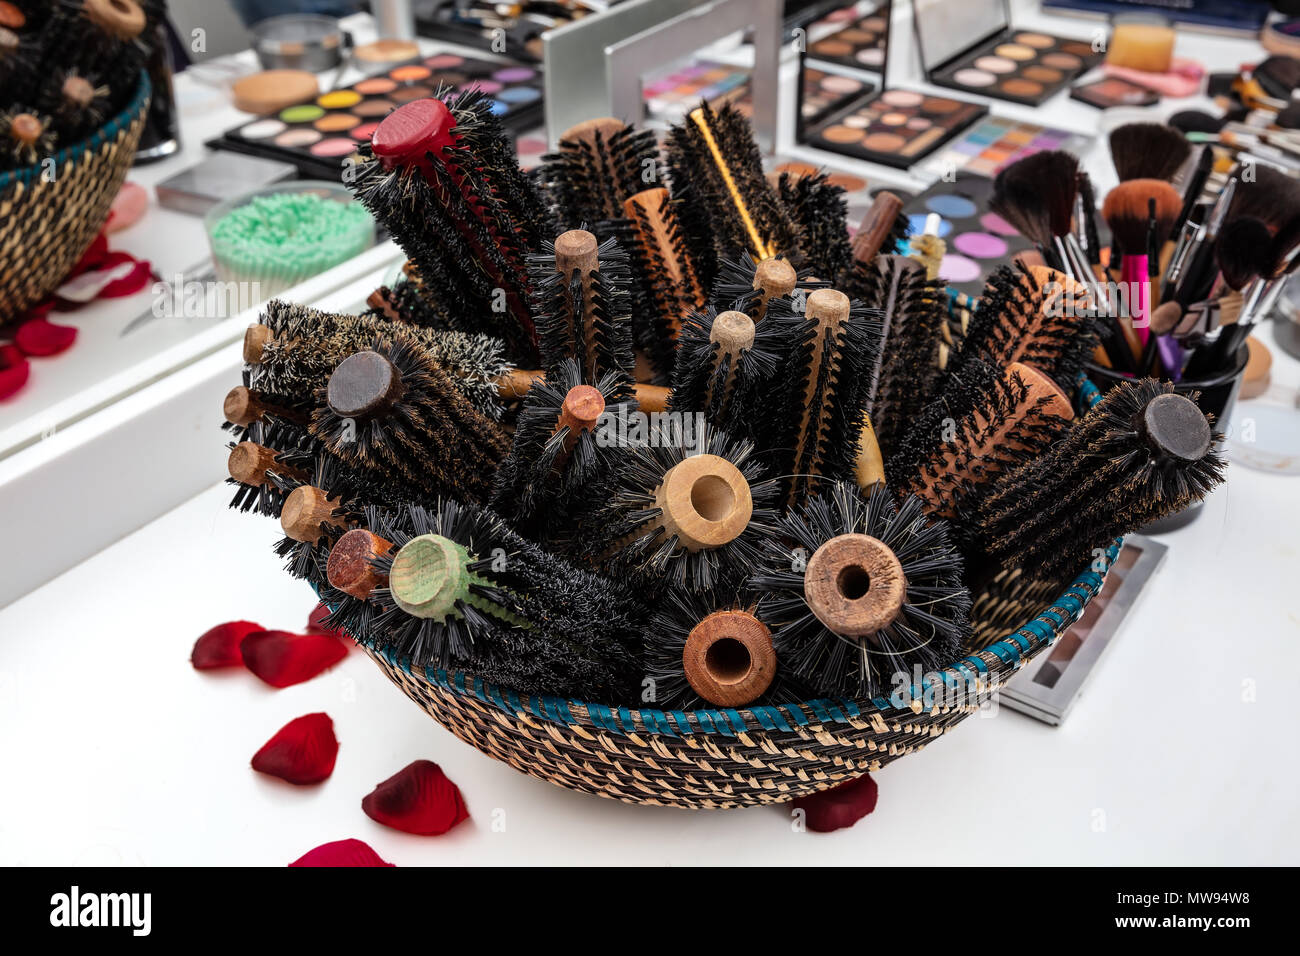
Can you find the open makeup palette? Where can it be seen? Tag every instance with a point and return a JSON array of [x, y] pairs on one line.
[[971, 45], [318, 134], [861, 43]]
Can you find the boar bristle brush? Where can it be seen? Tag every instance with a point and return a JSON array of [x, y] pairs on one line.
[[1015, 420], [556, 460], [1142, 453], [454, 586], [294, 349], [405, 302], [726, 202], [666, 283], [581, 304], [688, 510], [856, 592], [1035, 315], [1148, 151], [391, 410], [905, 373], [821, 405], [597, 165], [703, 651], [440, 175], [727, 364], [77, 104], [748, 284], [817, 209]]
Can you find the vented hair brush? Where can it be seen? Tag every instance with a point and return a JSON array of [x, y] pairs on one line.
[[856, 592], [441, 175], [1140, 454]]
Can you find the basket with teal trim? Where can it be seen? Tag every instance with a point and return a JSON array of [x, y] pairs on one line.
[[723, 758], [50, 213]]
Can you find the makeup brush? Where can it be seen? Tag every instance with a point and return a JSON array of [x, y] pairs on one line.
[[1036, 195], [1085, 219], [1140, 214], [391, 410], [707, 651], [454, 587], [581, 304], [1272, 197], [727, 366], [440, 174], [688, 510], [1148, 151], [726, 203], [819, 410], [597, 165], [883, 229], [856, 593], [557, 462], [1140, 454], [1193, 188]]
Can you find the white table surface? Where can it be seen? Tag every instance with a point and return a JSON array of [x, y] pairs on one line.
[[117, 751]]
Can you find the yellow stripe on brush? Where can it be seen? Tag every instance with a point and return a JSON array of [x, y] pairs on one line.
[[761, 248]]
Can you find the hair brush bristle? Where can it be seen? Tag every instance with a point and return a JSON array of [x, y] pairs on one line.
[[597, 165], [1148, 151], [818, 211], [930, 626]]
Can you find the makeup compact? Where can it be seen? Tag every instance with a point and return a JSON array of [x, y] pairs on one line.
[[895, 127], [316, 134], [851, 37], [668, 98], [822, 92], [1053, 681], [970, 45], [1111, 91]]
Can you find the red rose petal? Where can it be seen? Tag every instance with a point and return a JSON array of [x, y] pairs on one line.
[[140, 275], [316, 622], [282, 658], [840, 806], [13, 376], [219, 647], [302, 751], [417, 799], [341, 853], [92, 256], [43, 337]]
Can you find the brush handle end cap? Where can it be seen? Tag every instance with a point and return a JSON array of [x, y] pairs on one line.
[[348, 568], [733, 331], [364, 384], [305, 510], [728, 658], [1176, 427], [256, 337], [428, 577], [854, 584], [408, 133], [122, 19]]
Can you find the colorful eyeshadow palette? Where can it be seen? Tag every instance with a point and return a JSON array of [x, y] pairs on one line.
[[317, 135], [669, 98], [978, 240], [861, 45], [997, 141], [821, 93], [896, 127], [1022, 66]]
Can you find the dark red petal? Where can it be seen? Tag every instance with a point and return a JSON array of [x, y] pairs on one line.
[[840, 806], [316, 622], [302, 751], [92, 256], [130, 283], [43, 337], [219, 647], [417, 799], [13, 377], [282, 658], [341, 853]]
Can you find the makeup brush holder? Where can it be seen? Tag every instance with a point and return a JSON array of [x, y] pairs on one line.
[[50, 212], [1217, 396], [730, 757]]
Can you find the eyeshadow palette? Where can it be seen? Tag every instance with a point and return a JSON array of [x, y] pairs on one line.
[[1022, 66], [896, 127], [318, 134], [821, 93], [861, 44], [978, 240], [670, 97], [1111, 91], [998, 141]]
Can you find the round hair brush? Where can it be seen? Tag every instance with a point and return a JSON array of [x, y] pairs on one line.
[[251, 465], [1142, 453], [1148, 151], [688, 510], [581, 305], [25, 137], [454, 586], [597, 165], [702, 651], [817, 210], [557, 459], [441, 176], [748, 284], [406, 302], [392, 411], [77, 104], [856, 592]]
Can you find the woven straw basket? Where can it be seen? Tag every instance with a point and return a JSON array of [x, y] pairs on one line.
[[719, 759], [47, 226]]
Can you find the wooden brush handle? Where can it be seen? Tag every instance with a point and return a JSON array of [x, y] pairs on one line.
[[854, 584], [365, 385], [728, 658], [242, 407], [582, 408], [305, 510], [575, 251], [869, 466], [705, 502], [773, 278], [121, 19], [26, 129], [515, 384], [348, 568], [733, 332], [429, 576], [876, 226], [249, 462], [256, 338], [829, 309], [1040, 386], [1176, 428]]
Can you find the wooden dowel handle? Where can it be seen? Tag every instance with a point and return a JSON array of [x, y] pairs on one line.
[[364, 385], [706, 502], [728, 658], [734, 331], [256, 338], [575, 251], [854, 584], [306, 510], [774, 278], [348, 568], [249, 462]]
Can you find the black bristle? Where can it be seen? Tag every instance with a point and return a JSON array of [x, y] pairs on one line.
[[818, 211], [595, 168], [928, 632], [733, 287], [1036, 195], [1148, 151], [1243, 251]]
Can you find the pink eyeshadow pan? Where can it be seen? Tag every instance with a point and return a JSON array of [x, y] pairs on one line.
[[980, 245], [994, 223], [298, 138], [336, 146]]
